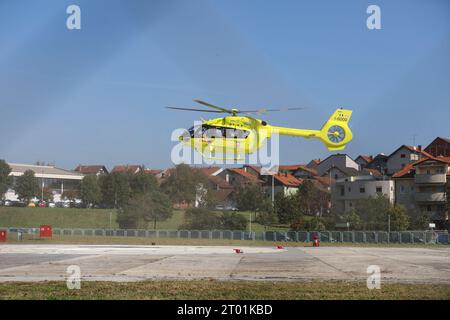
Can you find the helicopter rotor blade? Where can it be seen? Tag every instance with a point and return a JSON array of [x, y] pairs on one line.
[[213, 106], [264, 110], [189, 109]]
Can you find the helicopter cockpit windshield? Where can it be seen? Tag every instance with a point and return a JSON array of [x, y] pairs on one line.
[[208, 131]]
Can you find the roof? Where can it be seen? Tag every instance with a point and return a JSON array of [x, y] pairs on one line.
[[219, 181], [51, 172], [91, 169], [288, 179], [412, 149], [295, 167], [407, 169], [372, 172], [245, 174], [126, 168], [366, 158], [222, 194], [209, 171], [153, 171], [325, 181], [347, 171]]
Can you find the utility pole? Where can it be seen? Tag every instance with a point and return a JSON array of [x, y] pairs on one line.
[[273, 189]]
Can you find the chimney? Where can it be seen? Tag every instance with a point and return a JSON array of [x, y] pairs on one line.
[[227, 177]]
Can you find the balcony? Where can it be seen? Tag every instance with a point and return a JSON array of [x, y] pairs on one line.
[[439, 178], [430, 197]]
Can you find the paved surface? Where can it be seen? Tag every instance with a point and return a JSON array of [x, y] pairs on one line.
[[133, 263]]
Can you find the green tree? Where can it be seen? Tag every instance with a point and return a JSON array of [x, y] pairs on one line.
[[144, 208], [184, 183], [116, 190], [267, 218], [399, 218], [287, 208], [90, 191], [142, 182], [353, 218], [233, 221], [315, 224], [5, 179], [200, 219], [251, 197], [373, 212], [27, 186]]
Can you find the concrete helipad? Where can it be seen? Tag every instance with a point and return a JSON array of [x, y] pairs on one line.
[[134, 263]]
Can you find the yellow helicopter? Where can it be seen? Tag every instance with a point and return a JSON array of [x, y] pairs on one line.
[[238, 135]]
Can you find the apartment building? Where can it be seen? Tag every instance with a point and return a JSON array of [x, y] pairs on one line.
[[346, 191], [423, 186]]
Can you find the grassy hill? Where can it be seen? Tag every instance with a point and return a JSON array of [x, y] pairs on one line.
[[84, 218]]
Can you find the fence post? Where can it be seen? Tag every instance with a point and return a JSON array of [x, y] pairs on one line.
[[399, 237], [308, 238], [411, 236]]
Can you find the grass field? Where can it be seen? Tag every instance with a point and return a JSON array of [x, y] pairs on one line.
[[85, 218], [242, 290]]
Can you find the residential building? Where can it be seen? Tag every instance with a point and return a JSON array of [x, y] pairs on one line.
[[347, 191], [313, 163], [379, 162], [439, 147], [97, 170], [300, 171], [340, 161], [238, 176], [363, 161], [133, 169], [51, 178], [403, 156], [282, 182], [423, 187]]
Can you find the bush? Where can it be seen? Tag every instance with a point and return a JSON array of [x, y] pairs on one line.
[[233, 221], [200, 219]]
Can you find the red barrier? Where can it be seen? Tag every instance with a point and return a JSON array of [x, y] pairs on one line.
[[3, 235], [45, 231]]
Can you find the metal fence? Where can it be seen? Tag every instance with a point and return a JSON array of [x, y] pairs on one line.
[[412, 237]]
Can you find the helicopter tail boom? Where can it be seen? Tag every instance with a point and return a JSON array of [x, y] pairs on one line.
[[335, 133]]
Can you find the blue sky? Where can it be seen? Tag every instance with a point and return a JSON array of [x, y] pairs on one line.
[[97, 95]]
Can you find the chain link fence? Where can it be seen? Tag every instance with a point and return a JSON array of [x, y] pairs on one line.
[[411, 237]]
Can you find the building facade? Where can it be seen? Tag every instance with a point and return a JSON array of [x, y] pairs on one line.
[[347, 191]]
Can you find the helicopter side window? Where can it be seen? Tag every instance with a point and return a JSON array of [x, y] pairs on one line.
[[241, 134]]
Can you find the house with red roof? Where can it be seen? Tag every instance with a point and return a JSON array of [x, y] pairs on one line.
[[363, 161], [283, 182], [97, 170], [128, 168], [422, 188], [439, 147], [403, 156], [238, 176]]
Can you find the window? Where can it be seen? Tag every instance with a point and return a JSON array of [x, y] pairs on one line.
[[402, 189], [342, 191], [379, 189], [403, 155], [349, 189], [429, 208], [403, 165], [335, 176], [350, 204], [362, 190]]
